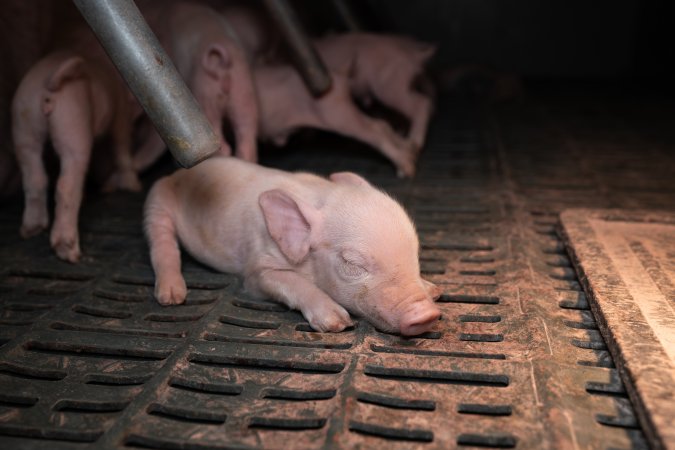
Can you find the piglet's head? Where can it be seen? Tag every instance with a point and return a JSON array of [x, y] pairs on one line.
[[361, 248]]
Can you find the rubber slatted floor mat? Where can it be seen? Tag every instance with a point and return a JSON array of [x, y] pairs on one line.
[[89, 360], [627, 259]]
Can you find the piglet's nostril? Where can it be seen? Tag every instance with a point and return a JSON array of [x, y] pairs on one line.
[[419, 322]]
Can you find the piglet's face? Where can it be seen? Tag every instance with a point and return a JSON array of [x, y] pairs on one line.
[[381, 285], [369, 261], [362, 250]]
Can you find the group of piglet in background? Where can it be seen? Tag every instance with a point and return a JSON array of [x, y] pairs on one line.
[[323, 246], [230, 62], [73, 96]]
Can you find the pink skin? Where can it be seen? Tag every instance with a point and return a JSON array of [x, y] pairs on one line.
[[257, 35], [284, 110], [321, 246], [215, 69], [383, 67], [70, 101], [25, 33], [286, 106]]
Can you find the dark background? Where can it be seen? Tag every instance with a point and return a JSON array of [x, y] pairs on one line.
[[624, 43], [533, 38]]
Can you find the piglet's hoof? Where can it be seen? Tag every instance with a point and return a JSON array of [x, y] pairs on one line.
[[66, 247], [332, 321], [29, 230], [417, 145], [405, 170], [170, 292], [405, 164]]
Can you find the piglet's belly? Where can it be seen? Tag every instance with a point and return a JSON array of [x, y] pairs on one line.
[[211, 247]]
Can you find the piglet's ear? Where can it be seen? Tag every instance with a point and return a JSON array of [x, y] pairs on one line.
[[348, 178], [289, 222], [216, 61]]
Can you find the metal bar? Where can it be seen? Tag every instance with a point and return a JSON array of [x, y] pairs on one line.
[[152, 77], [346, 13], [305, 57]]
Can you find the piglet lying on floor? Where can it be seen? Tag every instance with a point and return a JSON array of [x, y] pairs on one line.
[[323, 246], [287, 106], [384, 67]]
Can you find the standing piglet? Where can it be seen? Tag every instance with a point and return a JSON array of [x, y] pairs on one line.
[[384, 67], [286, 106], [203, 47], [71, 101], [323, 246]]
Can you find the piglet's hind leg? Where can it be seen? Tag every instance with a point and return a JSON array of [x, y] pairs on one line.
[[340, 114], [415, 106], [35, 216], [170, 288], [71, 133], [125, 176], [150, 150]]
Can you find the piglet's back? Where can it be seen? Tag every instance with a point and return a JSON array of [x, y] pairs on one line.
[[216, 211], [229, 183]]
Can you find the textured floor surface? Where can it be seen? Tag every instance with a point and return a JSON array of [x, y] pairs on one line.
[[626, 262], [89, 360]]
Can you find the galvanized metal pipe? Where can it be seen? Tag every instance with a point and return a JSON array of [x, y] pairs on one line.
[[305, 57], [152, 77]]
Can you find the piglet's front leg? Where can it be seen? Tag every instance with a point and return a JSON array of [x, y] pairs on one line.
[[243, 113], [170, 288], [150, 150], [321, 311]]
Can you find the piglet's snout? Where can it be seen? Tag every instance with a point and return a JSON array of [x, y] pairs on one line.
[[420, 318]]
